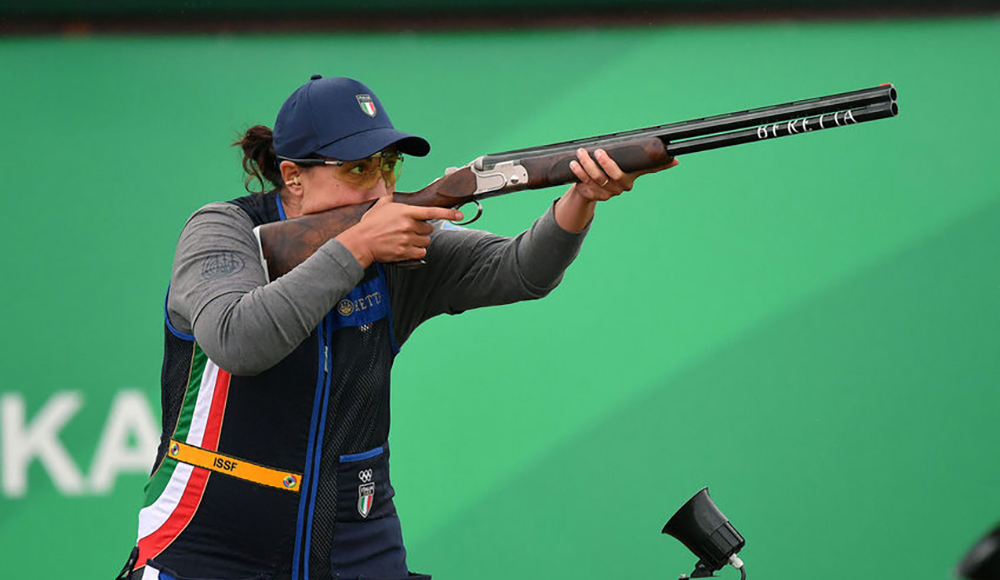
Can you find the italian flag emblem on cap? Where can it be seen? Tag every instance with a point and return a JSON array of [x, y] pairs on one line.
[[367, 105]]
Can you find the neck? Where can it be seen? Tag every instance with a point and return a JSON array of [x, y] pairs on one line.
[[291, 203]]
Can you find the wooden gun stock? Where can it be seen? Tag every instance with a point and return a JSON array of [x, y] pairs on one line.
[[288, 243]]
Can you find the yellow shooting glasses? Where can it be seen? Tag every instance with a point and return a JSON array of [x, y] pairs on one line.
[[362, 172]]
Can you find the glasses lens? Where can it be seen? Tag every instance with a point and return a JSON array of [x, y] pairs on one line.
[[392, 166], [366, 172]]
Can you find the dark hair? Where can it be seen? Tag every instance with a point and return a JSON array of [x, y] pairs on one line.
[[260, 162]]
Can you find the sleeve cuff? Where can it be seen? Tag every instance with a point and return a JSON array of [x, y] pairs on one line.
[[546, 250], [344, 259], [550, 228]]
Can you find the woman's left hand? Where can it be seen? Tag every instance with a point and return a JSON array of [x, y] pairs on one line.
[[600, 180]]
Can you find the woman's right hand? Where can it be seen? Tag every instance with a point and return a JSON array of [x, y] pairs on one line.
[[393, 232]]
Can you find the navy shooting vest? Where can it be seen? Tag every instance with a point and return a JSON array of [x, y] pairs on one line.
[[284, 474]]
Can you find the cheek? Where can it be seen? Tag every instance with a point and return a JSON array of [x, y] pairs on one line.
[[330, 194], [349, 194]]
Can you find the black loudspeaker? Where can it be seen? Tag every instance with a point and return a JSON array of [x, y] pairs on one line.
[[983, 561], [701, 527]]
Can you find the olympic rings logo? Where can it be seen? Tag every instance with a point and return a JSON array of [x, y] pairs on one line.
[[365, 475]]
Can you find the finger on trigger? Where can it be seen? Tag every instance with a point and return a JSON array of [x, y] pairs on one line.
[[434, 213], [593, 171]]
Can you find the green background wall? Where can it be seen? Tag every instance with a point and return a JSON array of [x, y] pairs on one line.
[[808, 326]]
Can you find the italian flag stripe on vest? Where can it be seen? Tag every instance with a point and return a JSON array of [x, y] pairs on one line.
[[174, 491]]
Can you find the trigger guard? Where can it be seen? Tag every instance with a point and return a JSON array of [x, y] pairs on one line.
[[479, 212]]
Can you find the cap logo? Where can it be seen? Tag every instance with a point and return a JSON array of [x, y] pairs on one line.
[[367, 105]]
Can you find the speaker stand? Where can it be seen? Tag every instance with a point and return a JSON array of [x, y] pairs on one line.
[[700, 571]]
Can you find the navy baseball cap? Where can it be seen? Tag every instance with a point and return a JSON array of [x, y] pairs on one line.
[[338, 118]]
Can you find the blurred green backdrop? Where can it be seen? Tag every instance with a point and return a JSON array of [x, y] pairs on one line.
[[808, 326]]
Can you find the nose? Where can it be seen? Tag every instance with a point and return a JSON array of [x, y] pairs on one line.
[[380, 189], [381, 185]]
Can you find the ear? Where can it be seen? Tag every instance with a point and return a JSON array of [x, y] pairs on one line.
[[291, 174]]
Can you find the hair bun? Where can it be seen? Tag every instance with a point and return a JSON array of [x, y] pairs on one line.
[[259, 158]]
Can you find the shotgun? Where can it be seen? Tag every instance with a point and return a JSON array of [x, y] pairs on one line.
[[288, 243]]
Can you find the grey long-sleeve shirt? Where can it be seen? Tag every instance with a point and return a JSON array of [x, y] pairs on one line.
[[220, 294]]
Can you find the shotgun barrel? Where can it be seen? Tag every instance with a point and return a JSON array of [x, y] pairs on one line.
[[794, 110], [820, 122]]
